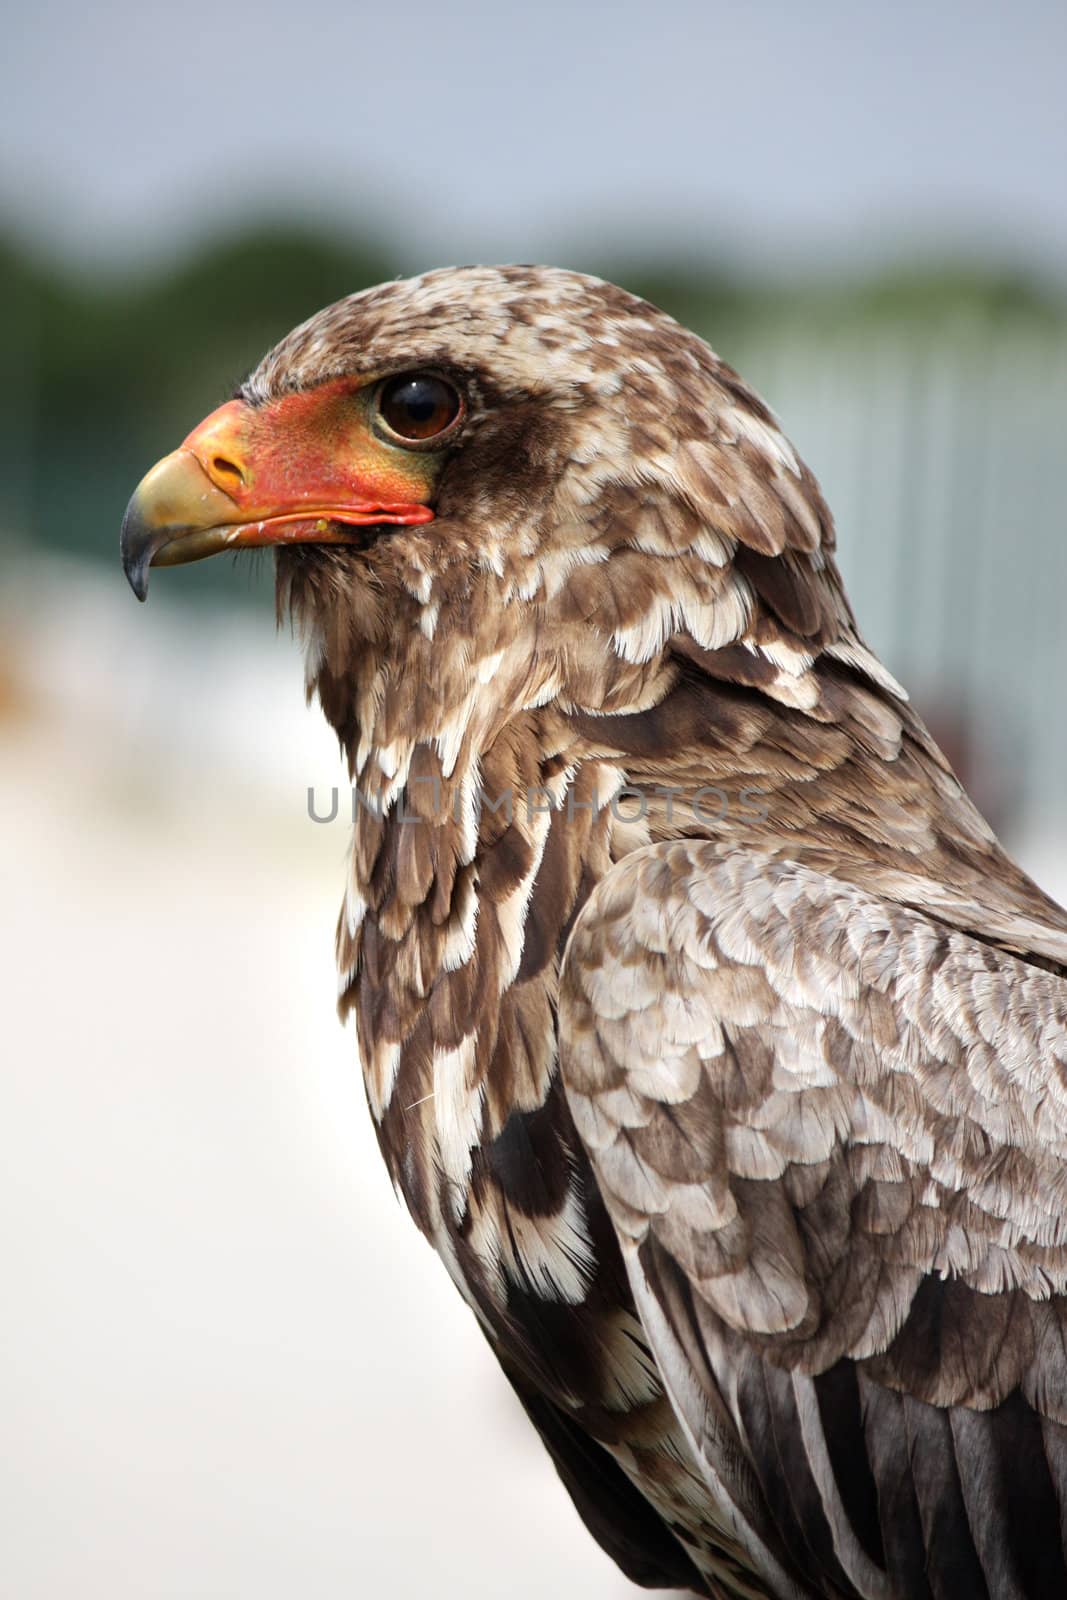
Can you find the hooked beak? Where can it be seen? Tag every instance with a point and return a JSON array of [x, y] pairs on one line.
[[304, 469]]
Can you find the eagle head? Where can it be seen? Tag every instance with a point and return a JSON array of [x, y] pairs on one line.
[[515, 477]]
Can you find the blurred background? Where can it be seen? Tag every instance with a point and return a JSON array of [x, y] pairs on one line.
[[230, 1367]]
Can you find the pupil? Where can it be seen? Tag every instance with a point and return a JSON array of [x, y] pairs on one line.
[[422, 402]]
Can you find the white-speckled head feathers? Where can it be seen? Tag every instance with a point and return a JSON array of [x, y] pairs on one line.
[[613, 477]]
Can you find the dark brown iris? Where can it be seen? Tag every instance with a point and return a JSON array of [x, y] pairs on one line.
[[418, 405]]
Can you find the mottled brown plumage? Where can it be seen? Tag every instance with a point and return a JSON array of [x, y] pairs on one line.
[[709, 1035]]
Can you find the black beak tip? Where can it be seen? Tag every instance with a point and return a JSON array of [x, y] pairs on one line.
[[138, 544], [137, 577]]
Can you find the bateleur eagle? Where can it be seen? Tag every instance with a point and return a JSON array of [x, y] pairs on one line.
[[708, 1033]]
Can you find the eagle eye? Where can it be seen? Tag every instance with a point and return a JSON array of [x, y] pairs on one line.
[[417, 406]]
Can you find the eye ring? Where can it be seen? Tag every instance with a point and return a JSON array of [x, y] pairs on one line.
[[417, 409]]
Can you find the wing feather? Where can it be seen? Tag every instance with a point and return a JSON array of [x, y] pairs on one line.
[[832, 1137]]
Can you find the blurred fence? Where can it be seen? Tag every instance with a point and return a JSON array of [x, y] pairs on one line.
[[943, 456]]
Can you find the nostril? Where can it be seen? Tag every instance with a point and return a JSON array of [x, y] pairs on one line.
[[230, 473]]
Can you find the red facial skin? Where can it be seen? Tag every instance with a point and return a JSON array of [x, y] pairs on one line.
[[310, 468], [301, 467]]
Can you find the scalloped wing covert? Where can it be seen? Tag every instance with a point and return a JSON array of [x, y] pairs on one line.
[[831, 1135]]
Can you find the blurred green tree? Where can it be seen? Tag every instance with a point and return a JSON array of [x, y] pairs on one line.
[[104, 376]]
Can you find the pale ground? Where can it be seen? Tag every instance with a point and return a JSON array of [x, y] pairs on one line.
[[230, 1366]]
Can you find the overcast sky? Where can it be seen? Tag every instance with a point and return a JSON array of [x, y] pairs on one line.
[[782, 134]]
